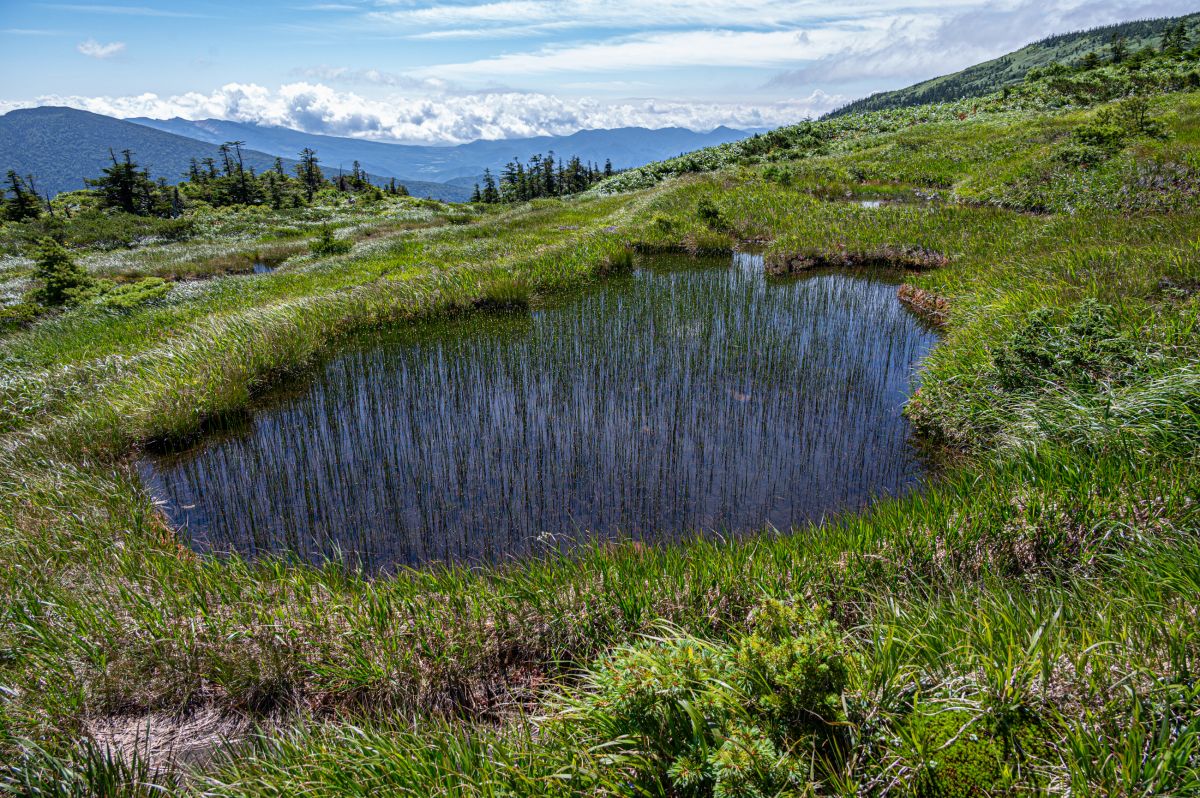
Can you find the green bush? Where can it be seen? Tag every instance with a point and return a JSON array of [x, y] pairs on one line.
[[664, 224], [791, 669], [722, 720], [19, 314], [1086, 349], [64, 282], [129, 295], [328, 244], [99, 230], [709, 213], [952, 755]]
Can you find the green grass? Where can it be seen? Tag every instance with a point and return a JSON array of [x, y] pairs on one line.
[[1040, 594]]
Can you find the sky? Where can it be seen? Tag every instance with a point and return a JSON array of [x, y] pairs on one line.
[[418, 71]]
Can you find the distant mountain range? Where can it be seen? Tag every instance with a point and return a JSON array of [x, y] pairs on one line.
[[1007, 70], [63, 146], [461, 164]]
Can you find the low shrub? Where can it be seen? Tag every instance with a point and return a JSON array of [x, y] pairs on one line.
[[707, 719], [63, 281], [130, 295], [952, 754], [20, 314], [328, 244], [709, 213], [1087, 348]]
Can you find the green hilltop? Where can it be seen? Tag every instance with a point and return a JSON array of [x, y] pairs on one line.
[[1009, 70]]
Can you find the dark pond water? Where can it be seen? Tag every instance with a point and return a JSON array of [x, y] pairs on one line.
[[685, 398]]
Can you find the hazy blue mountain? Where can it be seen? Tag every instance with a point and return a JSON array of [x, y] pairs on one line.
[[62, 146], [461, 164]]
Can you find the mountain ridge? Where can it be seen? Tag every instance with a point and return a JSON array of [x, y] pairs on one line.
[[625, 146], [61, 147], [1009, 69]]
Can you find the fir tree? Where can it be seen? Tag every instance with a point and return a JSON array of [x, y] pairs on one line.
[[489, 194], [24, 203], [62, 280], [1117, 49], [309, 173], [125, 187]]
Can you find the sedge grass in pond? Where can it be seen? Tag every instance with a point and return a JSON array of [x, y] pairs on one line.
[[686, 398]]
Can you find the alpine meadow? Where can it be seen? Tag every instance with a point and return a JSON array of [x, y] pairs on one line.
[[858, 456]]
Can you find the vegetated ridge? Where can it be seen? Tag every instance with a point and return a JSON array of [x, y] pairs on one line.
[[1008, 70]]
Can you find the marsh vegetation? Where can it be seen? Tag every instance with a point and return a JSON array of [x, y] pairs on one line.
[[1024, 624], [687, 398]]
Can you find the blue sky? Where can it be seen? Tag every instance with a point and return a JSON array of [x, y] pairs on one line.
[[445, 72]]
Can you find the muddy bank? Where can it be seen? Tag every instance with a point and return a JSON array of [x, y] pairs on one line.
[[913, 258]]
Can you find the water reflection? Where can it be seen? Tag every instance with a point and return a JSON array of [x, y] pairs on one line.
[[683, 398]]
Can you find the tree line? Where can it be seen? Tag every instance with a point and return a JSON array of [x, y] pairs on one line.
[[224, 180], [540, 176]]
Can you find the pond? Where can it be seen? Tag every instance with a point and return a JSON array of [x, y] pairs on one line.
[[691, 397]]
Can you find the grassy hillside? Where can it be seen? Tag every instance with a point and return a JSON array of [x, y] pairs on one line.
[[1009, 70], [1026, 625], [61, 147]]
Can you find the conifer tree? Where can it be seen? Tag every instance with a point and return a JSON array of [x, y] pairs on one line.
[[309, 173], [125, 187], [489, 194], [24, 203], [62, 279], [1117, 49]]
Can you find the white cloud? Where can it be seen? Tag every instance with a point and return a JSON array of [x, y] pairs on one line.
[[646, 14], [695, 48], [446, 118], [124, 11], [916, 48], [94, 49], [373, 77]]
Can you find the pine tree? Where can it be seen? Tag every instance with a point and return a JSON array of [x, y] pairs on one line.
[[125, 187], [358, 178], [24, 203], [548, 187], [1175, 39], [490, 194], [475, 195], [1117, 49], [309, 173], [62, 279]]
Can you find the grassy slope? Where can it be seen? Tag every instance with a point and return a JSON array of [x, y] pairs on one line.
[[1054, 571], [1009, 70]]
